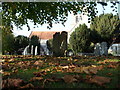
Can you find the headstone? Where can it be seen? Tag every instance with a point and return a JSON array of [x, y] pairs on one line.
[[32, 50], [118, 50], [104, 50], [101, 49], [97, 49], [36, 50]]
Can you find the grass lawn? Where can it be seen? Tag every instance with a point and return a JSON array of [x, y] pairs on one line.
[[60, 72]]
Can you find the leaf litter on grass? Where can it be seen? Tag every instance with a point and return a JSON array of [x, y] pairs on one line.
[[91, 71]]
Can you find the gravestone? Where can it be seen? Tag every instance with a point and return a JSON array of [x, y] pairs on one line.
[[97, 49], [36, 50], [104, 50], [32, 50], [101, 49]]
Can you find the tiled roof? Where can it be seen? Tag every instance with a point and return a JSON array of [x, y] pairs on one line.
[[43, 34]]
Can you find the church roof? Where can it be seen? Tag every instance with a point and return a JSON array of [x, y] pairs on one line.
[[45, 35]]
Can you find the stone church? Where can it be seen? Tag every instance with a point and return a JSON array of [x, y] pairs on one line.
[[46, 35]]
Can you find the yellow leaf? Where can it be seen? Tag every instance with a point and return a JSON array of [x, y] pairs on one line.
[[36, 78], [65, 67], [86, 70], [78, 70], [93, 70]]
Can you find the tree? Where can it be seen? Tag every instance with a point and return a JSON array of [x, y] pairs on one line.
[[59, 44], [107, 27], [49, 45], [80, 39], [44, 12], [20, 42], [7, 40]]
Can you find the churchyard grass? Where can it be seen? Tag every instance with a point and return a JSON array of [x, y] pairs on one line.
[[52, 71]]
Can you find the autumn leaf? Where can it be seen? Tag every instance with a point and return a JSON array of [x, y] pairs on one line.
[[19, 63], [65, 67], [8, 83], [6, 73], [69, 78], [111, 66], [75, 60], [88, 77], [109, 74], [36, 78], [39, 74], [78, 70], [100, 67], [39, 63], [27, 86], [72, 66], [86, 70], [100, 80], [49, 79], [79, 77], [93, 70]]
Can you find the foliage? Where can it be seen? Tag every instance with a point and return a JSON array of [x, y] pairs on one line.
[[34, 40], [46, 12], [95, 37], [7, 40], [20, 42], [80, 39], [49, 45], [107, 27], [43, 12]]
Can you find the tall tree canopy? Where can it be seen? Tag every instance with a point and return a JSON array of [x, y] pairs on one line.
[[7, 40], [80, 39], [20, 42], [44, 12], [107, 26]]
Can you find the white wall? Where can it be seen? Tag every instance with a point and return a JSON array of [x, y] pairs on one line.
[[81, 20]]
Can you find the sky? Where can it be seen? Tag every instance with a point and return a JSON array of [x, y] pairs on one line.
[[57, 27]]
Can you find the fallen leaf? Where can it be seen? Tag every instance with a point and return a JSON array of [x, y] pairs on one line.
[[8, 83], [100, 67], [75, 60], [93, 70], [88, 77], [65, 67], [78, 77], [69, 78], [86, 70], [93, 65], [27, 86], [78, 70], [110, 74], [38, 63], [111, 66], [100, 80], [36, 78], [6, 73], [49, 79], [39, 74], [72, 66]]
